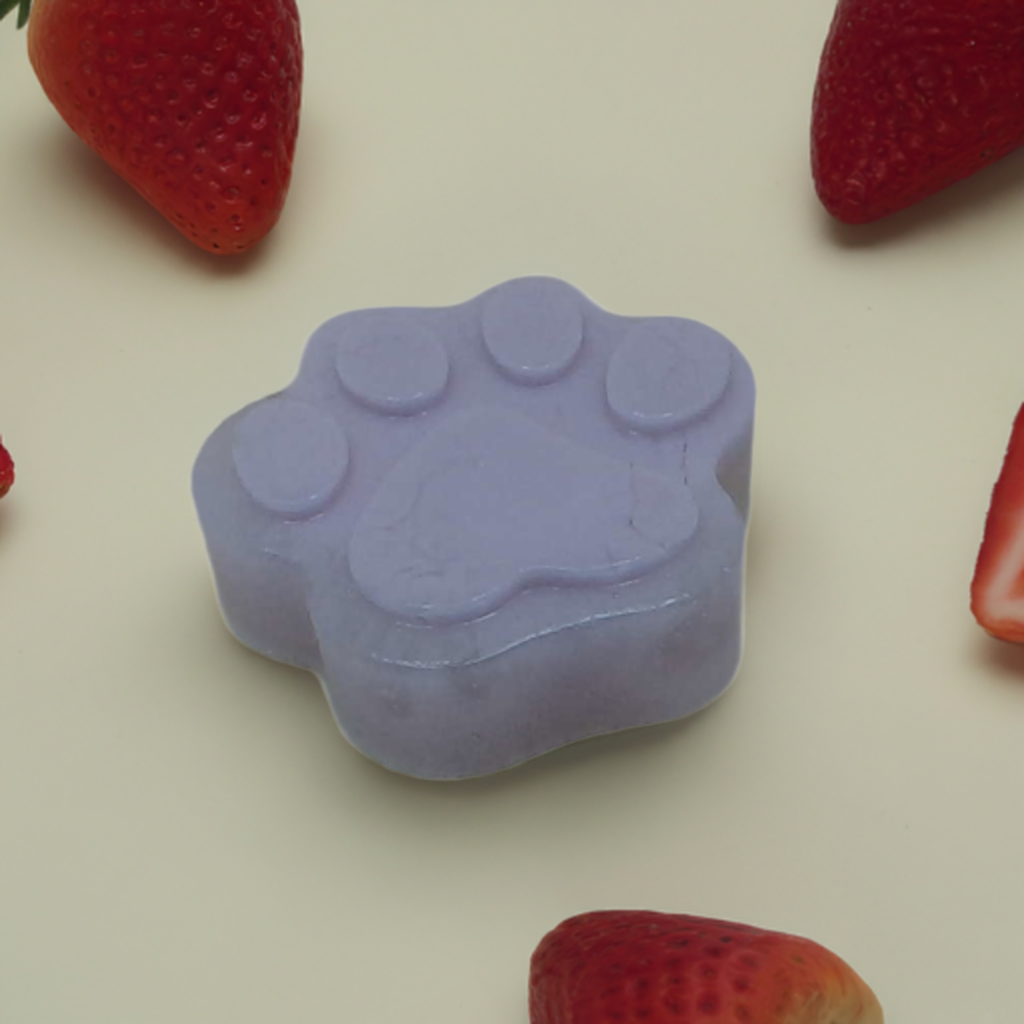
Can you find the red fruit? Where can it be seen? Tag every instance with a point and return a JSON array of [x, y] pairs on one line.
[[6, 469], [641, 967], [997, 590], [911, 96], [194, 102]]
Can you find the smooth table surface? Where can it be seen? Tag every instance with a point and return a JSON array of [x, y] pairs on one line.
[[185, 836]]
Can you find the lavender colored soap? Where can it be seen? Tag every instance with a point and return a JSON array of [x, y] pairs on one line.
[[491, 529]]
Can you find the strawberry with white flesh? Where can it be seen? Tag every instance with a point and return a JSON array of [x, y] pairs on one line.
[[997, 590], [195, 103], [644, 967]]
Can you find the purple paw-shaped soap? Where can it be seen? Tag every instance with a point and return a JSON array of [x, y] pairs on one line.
[[491, 529]]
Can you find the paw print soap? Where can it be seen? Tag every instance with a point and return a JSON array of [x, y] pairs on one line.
[[491, 529]]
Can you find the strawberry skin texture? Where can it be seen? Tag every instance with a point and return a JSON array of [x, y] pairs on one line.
[[997, 590], [912, 96], [194, 102], [644, 967], [6, 470]]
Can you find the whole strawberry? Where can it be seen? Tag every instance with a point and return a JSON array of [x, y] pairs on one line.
[[6, 469], [641, 967], [912, 96], [193, 102]]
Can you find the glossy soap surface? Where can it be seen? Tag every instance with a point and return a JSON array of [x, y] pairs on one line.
[[491, 529]]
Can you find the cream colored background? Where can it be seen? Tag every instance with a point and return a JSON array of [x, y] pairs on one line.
[[185, 835]]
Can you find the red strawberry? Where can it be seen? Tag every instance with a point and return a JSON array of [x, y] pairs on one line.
[[641, 967], [6, 469], [997, 590], [911, 96], [194, 102]]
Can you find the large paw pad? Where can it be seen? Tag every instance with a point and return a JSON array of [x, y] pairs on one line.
[[494, 528]]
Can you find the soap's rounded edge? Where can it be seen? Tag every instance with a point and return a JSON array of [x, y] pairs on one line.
[[519, 279], [734, 460], [286, 636], [396, 766], [414, 760]]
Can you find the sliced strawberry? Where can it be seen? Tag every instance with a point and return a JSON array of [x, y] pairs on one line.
[[912, 96], [6, 469], [642, 967], [997, 590]]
